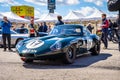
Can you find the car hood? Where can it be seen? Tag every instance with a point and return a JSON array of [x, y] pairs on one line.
[[43, 44]]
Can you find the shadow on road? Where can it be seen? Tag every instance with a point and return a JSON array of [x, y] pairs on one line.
[[82, 61]]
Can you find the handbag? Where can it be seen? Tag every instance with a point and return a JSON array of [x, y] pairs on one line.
[[113, 5]]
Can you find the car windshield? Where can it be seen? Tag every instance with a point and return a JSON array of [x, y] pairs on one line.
[[22, 30], [66, 30]]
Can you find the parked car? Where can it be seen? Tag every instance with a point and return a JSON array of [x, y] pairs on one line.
[[25, 31], [15, 38], [22, 30], [64, 42]]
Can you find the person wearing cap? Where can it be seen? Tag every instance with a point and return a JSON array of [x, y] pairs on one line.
[[32, 28], [105, 26], [59, 22], [6, 34]]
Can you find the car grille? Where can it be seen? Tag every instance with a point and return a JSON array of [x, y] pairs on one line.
[[27, 55]]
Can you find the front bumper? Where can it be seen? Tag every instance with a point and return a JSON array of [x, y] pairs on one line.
[[43, 56]]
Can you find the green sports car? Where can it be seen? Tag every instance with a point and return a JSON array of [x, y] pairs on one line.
[[64, 42]]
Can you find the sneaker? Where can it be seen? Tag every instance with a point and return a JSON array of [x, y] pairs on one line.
[[4, 50], [104, 47], [10, 50]]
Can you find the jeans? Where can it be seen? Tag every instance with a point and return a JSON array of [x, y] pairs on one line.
[[8, 38], [105, 37]]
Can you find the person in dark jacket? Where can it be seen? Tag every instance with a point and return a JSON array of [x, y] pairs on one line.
[[110, 30], [90, 28], [105, 26], [118, 31], [45, 27], [40, 29], [6, 34], [59, 22]]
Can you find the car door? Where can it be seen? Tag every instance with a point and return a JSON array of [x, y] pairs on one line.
[[1, 42], [82, 43], [88, 39], [14, 37]]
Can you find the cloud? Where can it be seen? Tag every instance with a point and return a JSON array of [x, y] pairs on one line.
[[37, 14], [71, 2], [38, 2], [97, 2], [87, 11], [8, 2], [4, 5], [44, 2]]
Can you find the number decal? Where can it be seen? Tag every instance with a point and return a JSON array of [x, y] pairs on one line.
[[89, 43]]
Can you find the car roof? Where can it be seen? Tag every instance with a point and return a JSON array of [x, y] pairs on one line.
[[71, 25]]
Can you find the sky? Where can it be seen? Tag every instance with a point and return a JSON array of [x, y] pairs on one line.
[[63, 7]]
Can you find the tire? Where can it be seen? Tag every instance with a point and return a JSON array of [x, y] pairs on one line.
[[28, 60], [96, 49], [70, 55]]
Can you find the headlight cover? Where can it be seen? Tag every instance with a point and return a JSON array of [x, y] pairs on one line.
[[56, 46], [19, 44], [29, 51]]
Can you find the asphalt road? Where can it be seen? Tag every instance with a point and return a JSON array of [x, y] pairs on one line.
[[106, 66]]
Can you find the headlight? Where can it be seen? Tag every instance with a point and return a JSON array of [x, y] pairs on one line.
[[56, 46], [29, 51]]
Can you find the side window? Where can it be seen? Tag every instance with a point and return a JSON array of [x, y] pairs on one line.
[[86, 32]]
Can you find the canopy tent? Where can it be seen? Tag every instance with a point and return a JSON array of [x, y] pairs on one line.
[[14, 18], [50, 17], [96, 15], [73, 15]]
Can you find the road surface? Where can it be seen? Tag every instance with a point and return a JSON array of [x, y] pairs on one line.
[[106, 66]]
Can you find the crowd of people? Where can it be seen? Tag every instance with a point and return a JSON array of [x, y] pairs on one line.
[[33, 30]]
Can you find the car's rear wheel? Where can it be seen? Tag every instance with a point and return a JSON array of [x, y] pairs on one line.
[[70, 55], [96, 49]]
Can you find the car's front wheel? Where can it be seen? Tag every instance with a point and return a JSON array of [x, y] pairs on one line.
[[96, 49], [70, 55], [26, 60]]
